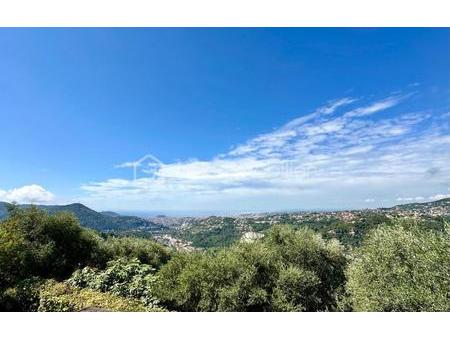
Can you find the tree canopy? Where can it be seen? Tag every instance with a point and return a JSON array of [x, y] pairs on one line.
[[405, 267]]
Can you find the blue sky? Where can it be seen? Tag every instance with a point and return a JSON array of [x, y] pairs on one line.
[[235, 119]]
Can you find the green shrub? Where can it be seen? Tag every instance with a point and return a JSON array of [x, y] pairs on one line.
[[23, 297], [178, 283], [308, 251], [287, 270], [214, 237], [61, 297], [229, 280], [33, 243], [296, 290], [404, 267], [145, 250], [251, 270], [15, 258], [122, 277]]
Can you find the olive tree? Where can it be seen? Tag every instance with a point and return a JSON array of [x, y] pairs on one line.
[[405, 267]]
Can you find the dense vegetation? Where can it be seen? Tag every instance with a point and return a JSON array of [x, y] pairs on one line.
[[402, 268], [214, 237], [350, 227], [286, 271], [48, 262], [37, 250]]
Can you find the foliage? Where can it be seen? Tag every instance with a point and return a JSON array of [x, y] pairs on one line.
[[402, 265], [145, 250], [261, 226], [405, 267], [122, 277], [62, 297], [352, 233], [306, 250], [295, 290], [215, 282], [33, 243], [221, 236], [264, 275], [24, 296], [15, 258]]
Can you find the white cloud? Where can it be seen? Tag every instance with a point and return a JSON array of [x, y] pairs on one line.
[[324, 158], [410, 199], [27, 194], [375, 107], [439, 196], [292, 129]]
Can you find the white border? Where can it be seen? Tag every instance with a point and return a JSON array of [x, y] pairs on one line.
[[213, 13], [236, 325], [216, 13]]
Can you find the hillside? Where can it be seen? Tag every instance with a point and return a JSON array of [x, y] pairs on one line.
[[68, 268], [215, 231], [348, 226], [109, 213], [439, 206], [3, 210], [93, 219]]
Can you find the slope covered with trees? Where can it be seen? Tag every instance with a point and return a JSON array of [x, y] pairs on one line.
[[48, 262], [101, 221], [350, 227]]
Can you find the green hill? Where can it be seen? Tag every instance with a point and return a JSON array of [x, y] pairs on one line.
[[93, 219], [442, 203], [3, 210]]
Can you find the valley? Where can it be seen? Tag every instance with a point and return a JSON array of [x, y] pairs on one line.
[[191, 233]]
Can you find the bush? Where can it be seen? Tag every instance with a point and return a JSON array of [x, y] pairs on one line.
[[33, 243], [251, 270], [61, 297], [401, 268], [122, 277], [230, 280], [145, 250], [15, 259], [285, 271], [23, 297], [296, 290], [308, 251]]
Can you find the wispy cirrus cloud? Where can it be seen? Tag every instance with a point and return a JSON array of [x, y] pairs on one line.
[[376, 106], [334, 156]]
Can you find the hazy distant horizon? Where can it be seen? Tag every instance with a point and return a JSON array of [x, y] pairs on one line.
[[206, 213]]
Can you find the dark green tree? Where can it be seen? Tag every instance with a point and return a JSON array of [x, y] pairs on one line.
[[33, 243]]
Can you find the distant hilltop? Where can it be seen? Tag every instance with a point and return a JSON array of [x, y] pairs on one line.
[[101, 221]]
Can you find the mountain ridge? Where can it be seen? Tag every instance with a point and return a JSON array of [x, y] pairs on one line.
[[87, 217]]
